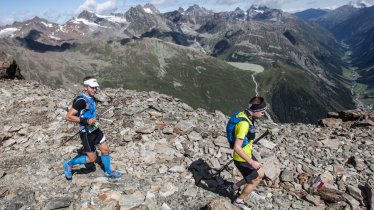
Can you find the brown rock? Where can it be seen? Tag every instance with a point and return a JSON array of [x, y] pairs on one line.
[[4, 136], [330, 195], [160, 126], [339, 169], [330, 122], [363, 123], [351, 115], [9, 68], [332, 114], [220, 204]]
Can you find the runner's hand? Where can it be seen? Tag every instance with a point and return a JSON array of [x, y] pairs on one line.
[[91, 121], [255, 164]]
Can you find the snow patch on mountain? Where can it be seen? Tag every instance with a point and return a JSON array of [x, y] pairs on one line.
[[61, 28], [54, 37], [92, 25], [113, 18], [148, 10], [7, 31], [259, 11], [47, 24]]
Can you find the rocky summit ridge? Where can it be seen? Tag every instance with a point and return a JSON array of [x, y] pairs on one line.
[[155, 139]]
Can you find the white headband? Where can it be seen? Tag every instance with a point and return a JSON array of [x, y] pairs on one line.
[[91, 82]]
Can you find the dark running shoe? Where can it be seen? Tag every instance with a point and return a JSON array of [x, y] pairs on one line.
[[243, 205]]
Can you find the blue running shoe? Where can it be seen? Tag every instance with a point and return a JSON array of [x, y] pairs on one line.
[[67, 170], [114, 174]]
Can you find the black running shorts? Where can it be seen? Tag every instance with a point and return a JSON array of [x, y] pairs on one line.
[[91, 140], [245, 169]]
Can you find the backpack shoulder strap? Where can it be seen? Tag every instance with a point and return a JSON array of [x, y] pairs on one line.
[[81, 97]]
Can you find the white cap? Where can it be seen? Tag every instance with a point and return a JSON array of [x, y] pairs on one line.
[[91, 82]]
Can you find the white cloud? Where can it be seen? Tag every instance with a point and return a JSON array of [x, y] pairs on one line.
[[107, 6], [158, 2], [59, 17], [6, 20], [229, 2], [100, 8], [89, 5], [365, 2], [273, 3]]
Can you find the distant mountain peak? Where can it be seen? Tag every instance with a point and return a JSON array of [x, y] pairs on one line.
[[88, 15], [181, 10], [359, 4], [259, 7], [196, 10], [238, 10], [150, 8], [38, 19]]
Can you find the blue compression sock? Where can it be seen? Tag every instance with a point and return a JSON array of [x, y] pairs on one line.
[[106, 162], [78, 160]]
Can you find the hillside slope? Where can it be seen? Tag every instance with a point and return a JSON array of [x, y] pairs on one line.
[[184, 54], [146, 64]]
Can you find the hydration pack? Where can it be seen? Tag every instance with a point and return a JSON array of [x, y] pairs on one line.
[[231, 127], [88, 112], [88, 104]]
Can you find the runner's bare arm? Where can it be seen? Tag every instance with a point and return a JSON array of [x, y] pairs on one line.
[[71, 116], [238, 149]]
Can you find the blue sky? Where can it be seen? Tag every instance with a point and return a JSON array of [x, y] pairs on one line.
[[60, 11]]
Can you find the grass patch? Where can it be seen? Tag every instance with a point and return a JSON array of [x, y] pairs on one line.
[[367, 100], [360, 88], [347, 73]]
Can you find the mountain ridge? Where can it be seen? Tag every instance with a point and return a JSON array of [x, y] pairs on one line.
[[278, 41]]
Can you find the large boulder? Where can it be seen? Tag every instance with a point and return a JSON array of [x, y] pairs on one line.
[[9, 68], [351, 115]]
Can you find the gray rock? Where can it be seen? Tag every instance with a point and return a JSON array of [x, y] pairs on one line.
[[330, 122], [167, 130], [352, 201], [215, 163], [130, 201], [146, 130], [355, 192], [220, 204], [316, 200], [183, 127], [331, 143], [177, 169], [59, 203], [286, 176], [221, 141], [271, 167], [267, 144], [194, 136], [168, 189], [165, 207]]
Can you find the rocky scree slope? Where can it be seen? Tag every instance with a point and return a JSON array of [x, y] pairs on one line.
[[154, 139]]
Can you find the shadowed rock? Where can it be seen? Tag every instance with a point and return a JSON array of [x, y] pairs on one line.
[[9, 68]]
